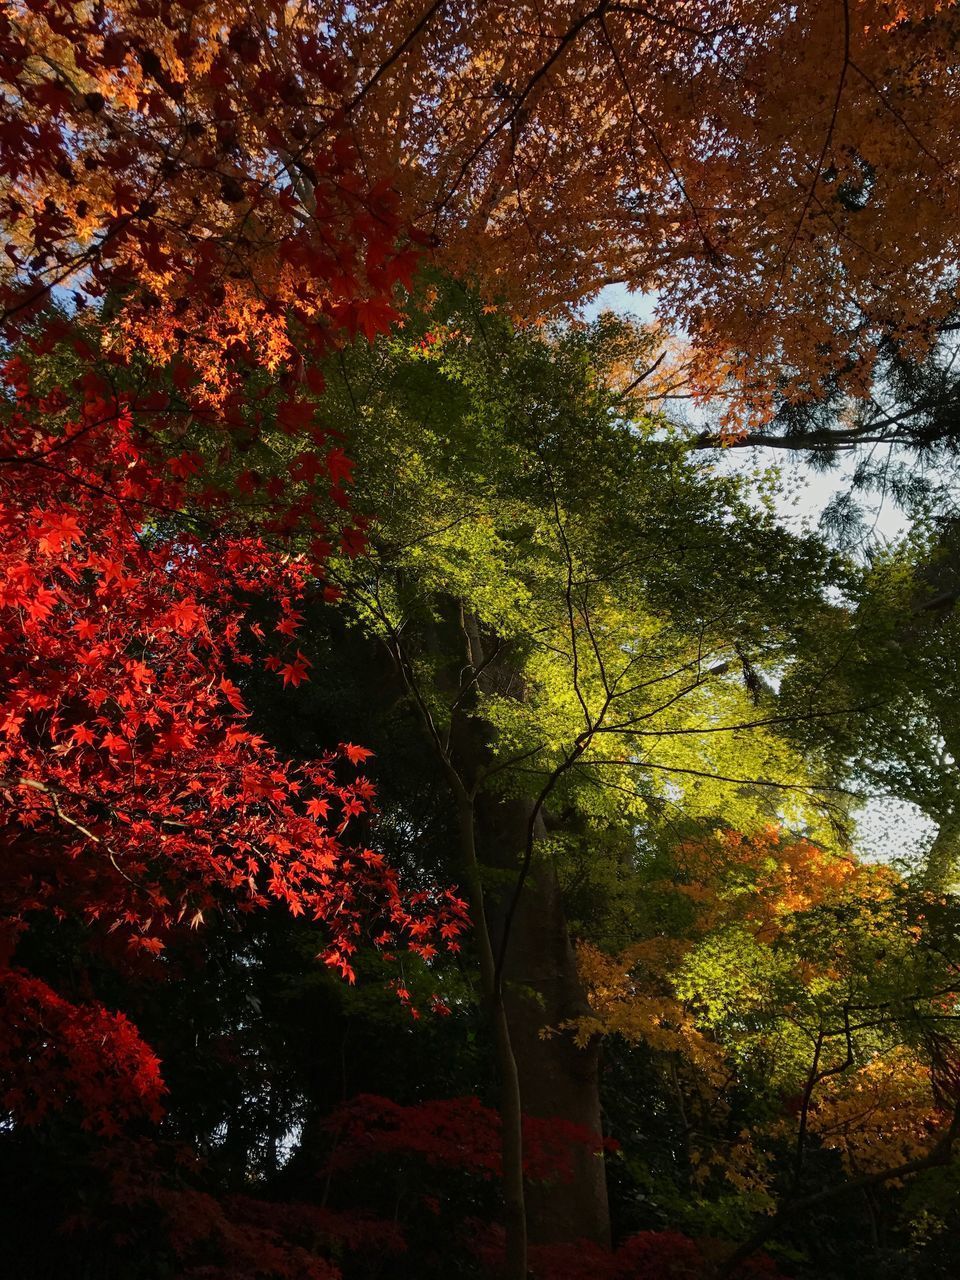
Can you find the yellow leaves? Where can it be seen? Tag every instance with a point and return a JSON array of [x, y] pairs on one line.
[[742, 1165], [879, 1116], [638, 1006]]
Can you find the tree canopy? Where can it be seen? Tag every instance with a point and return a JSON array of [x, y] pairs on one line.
[[432, 769]]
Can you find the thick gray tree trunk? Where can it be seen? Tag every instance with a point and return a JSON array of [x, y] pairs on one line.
[[547, 1075], [542, 989]]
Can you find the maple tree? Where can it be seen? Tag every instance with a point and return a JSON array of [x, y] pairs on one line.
[[607, 649], [786, 210], [123, 731], [139, 303], [460, 1135], [785, 176], [135, 795], [197, 177], [459, 1132], [136, 798], [760, 976]]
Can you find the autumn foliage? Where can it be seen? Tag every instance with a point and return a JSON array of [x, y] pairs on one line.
[[249, 184], [459, 1133], [137, 798], [204, 209], [200, 177], [147, 174], [785, 176], [138, 801], [770, 912]]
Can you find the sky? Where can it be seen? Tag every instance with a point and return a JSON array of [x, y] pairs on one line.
[[886, 829], [807, 492]]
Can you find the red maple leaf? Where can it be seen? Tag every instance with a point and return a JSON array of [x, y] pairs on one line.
[[295, 672]]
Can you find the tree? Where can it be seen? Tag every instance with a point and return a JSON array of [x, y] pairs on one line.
[[889, 649], [796, 1004], [136, 798], [123, 733], [566, 674], [163, 286], [910, 406], [771, 170], [196, 177], [787, 209], [154, 193], [589, 626]]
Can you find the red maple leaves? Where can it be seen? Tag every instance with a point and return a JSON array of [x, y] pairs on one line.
[[205, 173], [134, 794], [459, 1133], [149, 171], [80, 1052]]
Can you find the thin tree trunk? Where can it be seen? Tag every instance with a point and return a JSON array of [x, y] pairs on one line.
[[542, 989], [546, 1077], [511, 1112]]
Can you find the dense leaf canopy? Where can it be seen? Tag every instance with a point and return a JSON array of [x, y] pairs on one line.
[[430, 763]]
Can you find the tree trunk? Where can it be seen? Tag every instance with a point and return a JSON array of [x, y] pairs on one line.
[[549, 1077], [943, 861], [511, 1105], [542, 989]]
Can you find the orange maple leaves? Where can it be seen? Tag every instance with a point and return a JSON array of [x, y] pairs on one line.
[[249, 185], [786, 177], [198, 175]]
